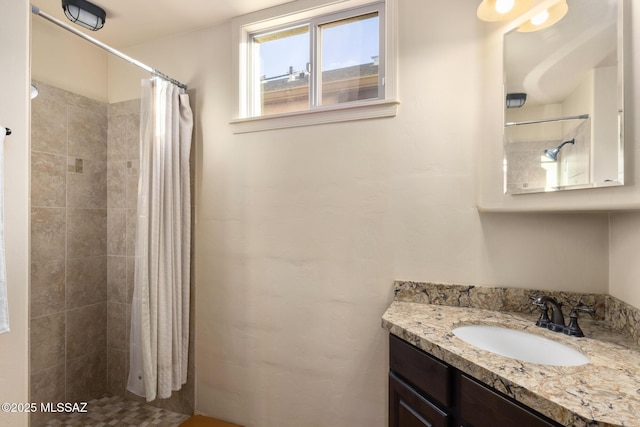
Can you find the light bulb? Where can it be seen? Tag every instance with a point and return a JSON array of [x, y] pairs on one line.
[[540, 18], [504, 6]]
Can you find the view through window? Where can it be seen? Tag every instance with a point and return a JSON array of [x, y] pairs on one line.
[[326, 61]]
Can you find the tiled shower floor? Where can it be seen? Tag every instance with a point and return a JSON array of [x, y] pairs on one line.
[[116, 411]]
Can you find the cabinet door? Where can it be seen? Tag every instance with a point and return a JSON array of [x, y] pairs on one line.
[[481, 406], [430, 376], [407, 408]]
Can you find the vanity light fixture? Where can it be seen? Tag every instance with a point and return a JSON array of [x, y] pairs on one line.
[[516, 100], [502, 10], [85, 14], [546, 18]]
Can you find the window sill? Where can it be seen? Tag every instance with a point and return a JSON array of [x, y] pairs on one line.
[[332, 114]]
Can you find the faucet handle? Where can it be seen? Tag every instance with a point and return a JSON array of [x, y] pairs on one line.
[[583, 308], [537, 300], [573, 329], [544, 320]]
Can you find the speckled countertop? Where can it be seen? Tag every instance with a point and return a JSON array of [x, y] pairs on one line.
[[604, 392]]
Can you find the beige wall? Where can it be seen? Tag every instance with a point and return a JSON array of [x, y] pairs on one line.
[[625, 246], [301, 232], [14, 108]]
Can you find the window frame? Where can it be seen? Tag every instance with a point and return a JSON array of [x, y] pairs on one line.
[[313, 12]]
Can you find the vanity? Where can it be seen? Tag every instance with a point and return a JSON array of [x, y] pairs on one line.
[[438, 379], [425, 391]]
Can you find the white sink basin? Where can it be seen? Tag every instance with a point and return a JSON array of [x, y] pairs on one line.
[[520, 345]]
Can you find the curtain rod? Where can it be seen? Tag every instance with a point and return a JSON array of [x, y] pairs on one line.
[[36, 11], [557, 119]]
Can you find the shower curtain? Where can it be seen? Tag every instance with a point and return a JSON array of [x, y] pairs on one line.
[[160, 306]]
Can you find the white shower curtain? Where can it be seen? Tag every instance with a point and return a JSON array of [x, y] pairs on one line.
[[160, 306]]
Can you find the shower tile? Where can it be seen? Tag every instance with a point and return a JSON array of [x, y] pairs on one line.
[[86, 330], [86, 232], [49, 121], [118, 370], [131, 231], [117, 139], [124, 107], [74, 165], [47, 288], [46, 386], [88, 189], [48, 180], [132, 190], [117, 279], [47, 341], [86, 281], [116, 231], [47, 234], [86, 377], [87, 137], [118, 411], [133, 136], [117, 334], [116, 184], [82, 102]]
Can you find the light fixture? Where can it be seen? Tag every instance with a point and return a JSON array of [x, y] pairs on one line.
[[546, 18], [516, 100], [502, 10], [553, 154], [84, 13]]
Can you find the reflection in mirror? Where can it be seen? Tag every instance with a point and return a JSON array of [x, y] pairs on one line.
[[563, 109]]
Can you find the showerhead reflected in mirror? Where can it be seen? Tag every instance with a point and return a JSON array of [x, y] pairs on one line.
[[553, 154], [571, 73]]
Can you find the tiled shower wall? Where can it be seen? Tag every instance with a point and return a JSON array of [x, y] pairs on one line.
[[122, 177], [84, 191], [68, 247]]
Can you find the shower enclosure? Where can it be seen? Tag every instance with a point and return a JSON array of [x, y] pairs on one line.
[[84, 172]]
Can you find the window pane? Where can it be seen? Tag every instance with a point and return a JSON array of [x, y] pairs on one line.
[[350, 52], [284, 81]]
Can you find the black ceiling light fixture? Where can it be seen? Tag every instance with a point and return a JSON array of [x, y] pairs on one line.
[[84, 13], [516, 100]]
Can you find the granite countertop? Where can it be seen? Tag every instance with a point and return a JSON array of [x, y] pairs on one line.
[[604, 392]]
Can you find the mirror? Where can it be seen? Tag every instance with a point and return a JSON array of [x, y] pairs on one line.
[[568, 134]]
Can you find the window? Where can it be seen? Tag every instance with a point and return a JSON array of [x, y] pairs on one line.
[[326, 63]]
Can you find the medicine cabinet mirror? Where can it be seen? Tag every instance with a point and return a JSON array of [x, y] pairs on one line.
[[568, 134]]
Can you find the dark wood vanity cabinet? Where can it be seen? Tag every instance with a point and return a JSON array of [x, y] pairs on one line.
[[426, 392]]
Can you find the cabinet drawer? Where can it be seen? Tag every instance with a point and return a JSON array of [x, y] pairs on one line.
[[409, 409], [425, 372], [483, 407]]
